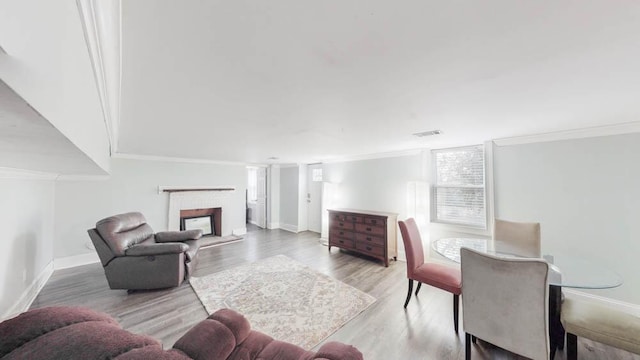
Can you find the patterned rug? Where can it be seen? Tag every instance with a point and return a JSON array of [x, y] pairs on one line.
[[284, 299]]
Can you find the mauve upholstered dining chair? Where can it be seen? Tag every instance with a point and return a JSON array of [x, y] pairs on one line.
[[518, 238], [440, 276], [506, 303]]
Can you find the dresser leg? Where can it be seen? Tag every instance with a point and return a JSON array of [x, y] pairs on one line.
[[329, 248]]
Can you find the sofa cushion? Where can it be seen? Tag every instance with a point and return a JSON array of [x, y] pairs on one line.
[[122, 231], [66, 333], [157, 249], [207, 337], [173, 236], [34, 323]]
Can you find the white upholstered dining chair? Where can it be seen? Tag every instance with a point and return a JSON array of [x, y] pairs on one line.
[[518, 238], [505, 302]]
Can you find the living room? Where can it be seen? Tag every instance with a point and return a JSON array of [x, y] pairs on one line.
[[550, 90]]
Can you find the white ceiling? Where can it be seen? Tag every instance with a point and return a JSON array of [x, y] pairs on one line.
[[310, 81]]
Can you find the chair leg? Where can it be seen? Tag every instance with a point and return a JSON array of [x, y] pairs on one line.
[[456, 303], [572, 347], [467, 346], [418, 289], [409, 293]]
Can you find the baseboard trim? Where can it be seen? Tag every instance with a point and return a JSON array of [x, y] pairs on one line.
[[273, 225], [239, 231], [30, 294], [75, 260], [612, 303], [290, 228]]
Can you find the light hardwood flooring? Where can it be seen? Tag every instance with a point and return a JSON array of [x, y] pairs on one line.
[[384, 331]]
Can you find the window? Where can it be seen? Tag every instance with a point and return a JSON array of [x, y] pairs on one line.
[[317, 174], [458, 192]]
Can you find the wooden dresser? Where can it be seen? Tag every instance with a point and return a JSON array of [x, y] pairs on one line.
[[371, 233]]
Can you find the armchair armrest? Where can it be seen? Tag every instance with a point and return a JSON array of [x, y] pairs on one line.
[[157, 249], [173, 236]]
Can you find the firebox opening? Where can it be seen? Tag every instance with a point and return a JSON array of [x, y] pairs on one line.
[[205, 219]]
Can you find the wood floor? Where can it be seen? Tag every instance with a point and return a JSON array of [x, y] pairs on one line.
[[384, 331]]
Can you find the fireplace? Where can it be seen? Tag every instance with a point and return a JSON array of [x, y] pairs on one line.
[[187, 201], [191, 218]]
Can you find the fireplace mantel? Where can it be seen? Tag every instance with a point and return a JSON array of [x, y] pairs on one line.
[[171, 189]]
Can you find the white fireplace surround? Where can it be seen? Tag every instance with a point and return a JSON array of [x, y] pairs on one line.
[[183, 199]]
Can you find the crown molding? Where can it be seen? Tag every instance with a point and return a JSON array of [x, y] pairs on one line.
[[102, 26], [12, 173], [175, 159], [606, 130], [83, 178], [409, 152]]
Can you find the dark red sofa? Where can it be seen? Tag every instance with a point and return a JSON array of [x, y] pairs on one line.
[[81, 333]]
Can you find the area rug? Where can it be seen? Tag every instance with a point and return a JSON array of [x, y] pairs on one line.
[[218, 240], [284, 299]]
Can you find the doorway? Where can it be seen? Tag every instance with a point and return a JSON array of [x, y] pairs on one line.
[[314, 197], [256, 197]]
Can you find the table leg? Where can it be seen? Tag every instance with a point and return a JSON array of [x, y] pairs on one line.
[[556, 330]]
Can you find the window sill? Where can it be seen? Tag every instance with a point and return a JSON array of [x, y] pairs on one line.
[[462, 229]]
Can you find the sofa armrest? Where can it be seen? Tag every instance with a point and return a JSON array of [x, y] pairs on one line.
[[173, 236], [157, 249], [334, 350]]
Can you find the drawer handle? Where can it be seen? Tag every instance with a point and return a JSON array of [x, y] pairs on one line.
[[368, 229], [368, 238], [341, 241], [369, 248], [341, 232], [373, 222], [341, 224], [353, 218]]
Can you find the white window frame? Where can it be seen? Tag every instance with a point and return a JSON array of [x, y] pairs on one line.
[[487, 154]]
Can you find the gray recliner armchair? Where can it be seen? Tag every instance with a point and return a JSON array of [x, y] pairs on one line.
[[135, 258]]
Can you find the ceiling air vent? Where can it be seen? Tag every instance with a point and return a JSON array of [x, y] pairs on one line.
[[428, 133]]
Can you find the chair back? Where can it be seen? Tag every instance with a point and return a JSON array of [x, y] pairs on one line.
[[122, 231], [518, 238], [412, 245], [506, 302]]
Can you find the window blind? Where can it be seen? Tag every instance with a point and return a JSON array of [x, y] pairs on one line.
[[459, 189]]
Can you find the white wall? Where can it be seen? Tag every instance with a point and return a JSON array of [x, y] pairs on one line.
[[26, 220], [586, 196], [47, 63], [273, 197], [376, 184], [289, 178], [133, 186]]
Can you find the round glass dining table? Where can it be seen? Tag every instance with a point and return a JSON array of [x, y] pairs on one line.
[[566, 270]]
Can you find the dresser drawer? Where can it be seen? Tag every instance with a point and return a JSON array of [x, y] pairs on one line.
[[374, 221], [370, 229], [337, 232], [337, 217], [370, 249], [342, 243], [343, 225], [370, 239], [354, 218]]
